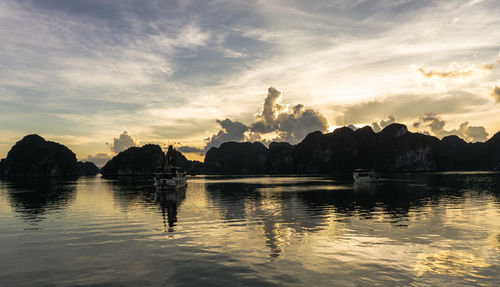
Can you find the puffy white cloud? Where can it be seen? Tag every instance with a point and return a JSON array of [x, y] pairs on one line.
[[123, 142], [473, 133]]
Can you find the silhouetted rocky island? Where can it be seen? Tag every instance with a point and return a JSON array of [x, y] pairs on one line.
[[394, 149], [33, 156], [237, 158], [86, 168], [144, 160]]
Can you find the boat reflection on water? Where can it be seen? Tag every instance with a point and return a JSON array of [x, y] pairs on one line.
[[422, 229], [366, 186], [169, 201]]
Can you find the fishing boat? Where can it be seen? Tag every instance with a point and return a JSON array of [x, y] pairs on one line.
[[170, 176], [365, 176]]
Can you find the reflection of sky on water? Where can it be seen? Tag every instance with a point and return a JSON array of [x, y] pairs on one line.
[[422, 228], [452, 263]]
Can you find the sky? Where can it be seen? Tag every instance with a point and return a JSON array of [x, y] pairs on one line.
[[100, 76]]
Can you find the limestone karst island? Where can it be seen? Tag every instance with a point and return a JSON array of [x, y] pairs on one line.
[[249, 143]]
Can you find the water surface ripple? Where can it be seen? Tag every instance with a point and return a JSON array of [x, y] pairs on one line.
[[411, 229]]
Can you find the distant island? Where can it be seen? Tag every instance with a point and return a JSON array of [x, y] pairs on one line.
[[144, 160], [394, 149], [33, 156]]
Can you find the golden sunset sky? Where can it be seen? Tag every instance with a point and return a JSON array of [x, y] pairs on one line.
[[99, 76]]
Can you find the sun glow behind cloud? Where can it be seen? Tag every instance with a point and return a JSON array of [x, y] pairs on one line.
[[92, 69]]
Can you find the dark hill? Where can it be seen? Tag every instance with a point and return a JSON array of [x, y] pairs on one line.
[[143, 161], [190, 166], [86, 168], [236, 158], [492, 151], [33, 156], [280, 158], [393, 149], [134, 161]]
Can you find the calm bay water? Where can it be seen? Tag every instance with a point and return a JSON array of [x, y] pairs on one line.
[[420, 230]]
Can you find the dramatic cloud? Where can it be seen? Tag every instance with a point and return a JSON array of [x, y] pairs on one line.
[[377, 127], [436, 127], [88, 67], [123, 142], [291, 124], [495, 93], [456, 73], [230, 131], [282, 122], [99, 159]]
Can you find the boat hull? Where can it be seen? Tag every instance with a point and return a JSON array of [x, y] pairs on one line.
[[169, 184], [365, 177]]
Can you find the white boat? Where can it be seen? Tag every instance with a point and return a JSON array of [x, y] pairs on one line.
[[365, 176], [170, 176]]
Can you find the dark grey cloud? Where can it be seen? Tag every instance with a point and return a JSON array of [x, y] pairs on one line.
[[123, 142], [229, 131], [191, 149], [435, 126], [409, 107], [91, 8], [147, 41], [495, 94]]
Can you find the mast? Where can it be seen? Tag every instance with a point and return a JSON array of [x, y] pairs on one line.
[[171, 158]]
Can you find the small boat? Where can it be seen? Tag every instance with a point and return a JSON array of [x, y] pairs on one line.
[[169, 175], [365, 176]]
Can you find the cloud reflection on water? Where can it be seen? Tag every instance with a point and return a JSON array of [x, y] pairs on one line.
[[450, 262], [410, 230]]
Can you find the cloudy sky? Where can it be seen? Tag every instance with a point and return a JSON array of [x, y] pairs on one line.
[[99, 76]]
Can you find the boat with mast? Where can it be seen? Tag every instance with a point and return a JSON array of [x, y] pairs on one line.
[[169, 176]]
